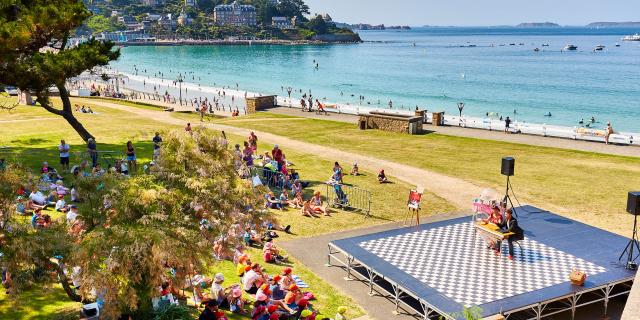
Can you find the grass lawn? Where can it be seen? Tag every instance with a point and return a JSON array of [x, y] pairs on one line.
[[33, 134], [588, 187]]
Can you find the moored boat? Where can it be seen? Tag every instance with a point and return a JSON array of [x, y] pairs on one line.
[[570, 47], [635, 37]]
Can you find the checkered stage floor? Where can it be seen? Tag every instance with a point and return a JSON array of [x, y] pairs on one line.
[[454, 260]]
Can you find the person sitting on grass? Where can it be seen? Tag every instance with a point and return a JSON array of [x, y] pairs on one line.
[[340, 315], [243, 263], [382, 178], [251, 237], [272, 202], [271, 253], [72, 214], [307, 210], [236, 303], [210, 311], [287, 278], [253, 279], [354, 170], [61, 205], [59, 188], [277, 293], [296, 187], [293, 297], [316, 204], [284, 199], [36, 199], [237, 253], [297, 201], [217, 291]]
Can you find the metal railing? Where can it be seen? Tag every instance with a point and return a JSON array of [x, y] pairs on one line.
[[348, 197], [273, 179], [107, 159]]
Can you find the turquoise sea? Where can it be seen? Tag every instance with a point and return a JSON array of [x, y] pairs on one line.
[[434, 68]]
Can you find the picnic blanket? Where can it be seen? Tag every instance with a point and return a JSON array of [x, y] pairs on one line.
[[299, 282]]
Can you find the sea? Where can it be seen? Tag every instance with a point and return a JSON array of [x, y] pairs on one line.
[[494, 71]]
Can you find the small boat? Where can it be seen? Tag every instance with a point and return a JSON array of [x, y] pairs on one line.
[[512, 44], [617, 44], [545, 44], [598, 48], [570, 47], [635, 37], [522, 44], [536, 49]]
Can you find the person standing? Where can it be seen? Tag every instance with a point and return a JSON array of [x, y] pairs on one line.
[[92, 149], [608, 132], [276, 154], [188, 128], [64, 148], [253, 141], [131, 157], [507, 123], [157, 140]]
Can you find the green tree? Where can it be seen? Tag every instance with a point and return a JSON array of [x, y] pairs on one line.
[[98, 24], [35, 55], [132, 229], [293, 8], [318, 25]]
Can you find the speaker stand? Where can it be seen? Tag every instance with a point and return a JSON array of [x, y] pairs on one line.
[[633, 244], [507, 199]]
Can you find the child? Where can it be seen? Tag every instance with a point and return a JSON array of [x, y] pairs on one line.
[[61, 205], [354, 170], [341, 311], [382, 178]]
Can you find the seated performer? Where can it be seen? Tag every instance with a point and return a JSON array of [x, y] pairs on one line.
[[494, 218], [510, 224]]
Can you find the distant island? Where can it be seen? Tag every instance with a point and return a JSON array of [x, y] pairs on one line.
[[538, 25], [614, 24], [366, 26]]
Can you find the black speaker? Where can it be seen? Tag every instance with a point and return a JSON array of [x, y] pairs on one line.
[[633, 203], [508, 164]]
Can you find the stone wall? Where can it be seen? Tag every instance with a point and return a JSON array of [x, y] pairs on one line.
[[391, 123], [255, 104]]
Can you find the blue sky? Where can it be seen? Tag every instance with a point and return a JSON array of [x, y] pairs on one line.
[[477, 12]]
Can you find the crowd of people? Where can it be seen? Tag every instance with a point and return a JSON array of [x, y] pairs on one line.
[[255, 293]]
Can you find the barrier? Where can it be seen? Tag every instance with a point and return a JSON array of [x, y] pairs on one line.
[[106, 159], [348, 197], [273, 179]]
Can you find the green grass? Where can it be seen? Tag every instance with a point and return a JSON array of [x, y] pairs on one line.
[[585, 186], [35, 140]]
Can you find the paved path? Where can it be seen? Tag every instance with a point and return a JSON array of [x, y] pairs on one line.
[[456, 191], [633, 151]]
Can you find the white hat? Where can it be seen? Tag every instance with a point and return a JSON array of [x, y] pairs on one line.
[[219, 277]]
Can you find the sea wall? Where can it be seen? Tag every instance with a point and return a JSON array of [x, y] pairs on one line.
[[411, 125], [347, 37]]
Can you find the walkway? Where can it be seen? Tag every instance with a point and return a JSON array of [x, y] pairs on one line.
[[620, 150]]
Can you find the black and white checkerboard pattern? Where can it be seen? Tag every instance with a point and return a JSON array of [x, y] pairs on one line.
[[455, 261]]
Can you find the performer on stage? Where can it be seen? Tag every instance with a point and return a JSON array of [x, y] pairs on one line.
[[494, 218], [510, 224]]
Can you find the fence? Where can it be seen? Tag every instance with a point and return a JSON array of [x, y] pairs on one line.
[[106, 159], [272, 179], [349, 197]]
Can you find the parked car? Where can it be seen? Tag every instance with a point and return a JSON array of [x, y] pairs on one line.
[[12, 91]]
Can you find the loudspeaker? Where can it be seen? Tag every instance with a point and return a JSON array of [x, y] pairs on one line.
[[633, 203], [508, 164]]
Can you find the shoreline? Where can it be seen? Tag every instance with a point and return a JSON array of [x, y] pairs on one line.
[[190, 42], [233, 98]]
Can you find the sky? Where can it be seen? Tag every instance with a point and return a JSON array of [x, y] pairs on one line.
[[476, 12]]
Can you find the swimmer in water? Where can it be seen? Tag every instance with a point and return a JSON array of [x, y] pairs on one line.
[[581, 121], [593, 119], [548, 114]]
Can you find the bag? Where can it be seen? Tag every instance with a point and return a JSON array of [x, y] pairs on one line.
[[256, 181], [577, 277]]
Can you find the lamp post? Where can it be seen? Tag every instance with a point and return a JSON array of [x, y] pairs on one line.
[[460, 108], [180, 80]]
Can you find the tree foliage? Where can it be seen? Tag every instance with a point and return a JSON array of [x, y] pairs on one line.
[[135, 229], [35, 56]]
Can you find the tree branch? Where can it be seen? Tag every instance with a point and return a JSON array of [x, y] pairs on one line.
[[44, 103]]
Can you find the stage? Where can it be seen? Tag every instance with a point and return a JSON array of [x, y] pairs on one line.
[[439, 268]]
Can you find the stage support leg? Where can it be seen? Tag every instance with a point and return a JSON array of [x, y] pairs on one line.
[[349, 262], [607, 293], [371, 277], [329, 256], [396, 298]]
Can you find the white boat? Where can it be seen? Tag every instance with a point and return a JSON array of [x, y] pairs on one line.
[[570, 47], [635, 37], [599, 48]]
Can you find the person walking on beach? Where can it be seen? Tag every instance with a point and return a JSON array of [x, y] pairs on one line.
[[507, 123], [608, 132]]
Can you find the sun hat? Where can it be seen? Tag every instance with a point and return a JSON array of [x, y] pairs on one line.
[[293, 287], [261, 297], [342, 309], [264, 287], [305, 313], [272, 308], [286, 270], [303, 302], [237, 293], [219, 277], [276, 278], [243, 258]]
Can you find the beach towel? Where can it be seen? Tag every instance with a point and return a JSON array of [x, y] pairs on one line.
[[299, 282]]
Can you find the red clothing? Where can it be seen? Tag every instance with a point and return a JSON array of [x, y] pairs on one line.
[[277, 155]]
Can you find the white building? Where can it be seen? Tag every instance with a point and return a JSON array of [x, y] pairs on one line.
[[281, 22]]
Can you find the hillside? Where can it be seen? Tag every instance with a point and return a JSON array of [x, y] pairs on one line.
[[538, 25]]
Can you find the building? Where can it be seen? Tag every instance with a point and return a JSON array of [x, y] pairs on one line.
[[235, 14], [130, 22], [281, 22], [190, 3], [152, 2]]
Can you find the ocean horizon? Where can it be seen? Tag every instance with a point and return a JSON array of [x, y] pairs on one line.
[[491, 69]]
